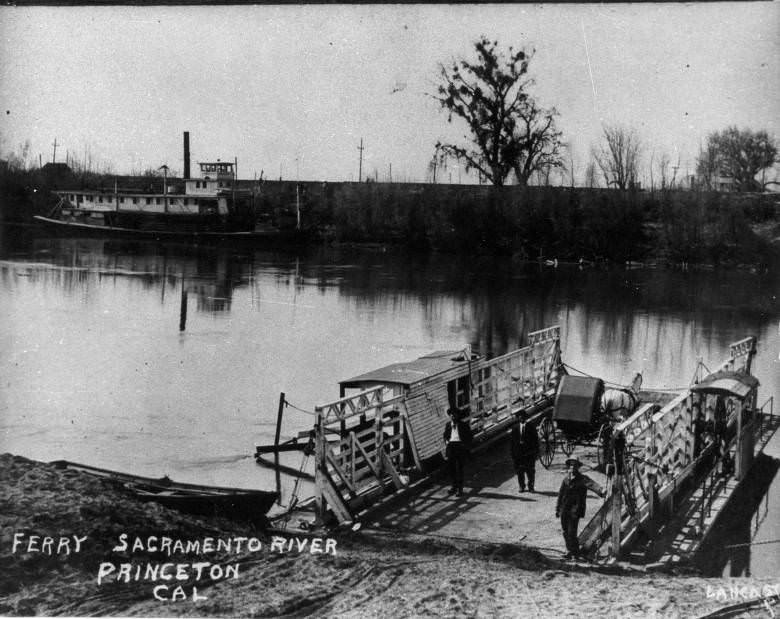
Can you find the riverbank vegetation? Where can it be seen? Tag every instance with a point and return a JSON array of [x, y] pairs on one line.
[[531, 222]]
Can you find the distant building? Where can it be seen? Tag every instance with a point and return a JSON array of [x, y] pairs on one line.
[[56, 171]]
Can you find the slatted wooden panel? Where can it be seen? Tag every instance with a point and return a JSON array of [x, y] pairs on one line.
[[664, 443], [427, 415], [673, 438]]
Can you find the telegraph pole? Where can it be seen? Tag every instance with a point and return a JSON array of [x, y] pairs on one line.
[[360, 166]]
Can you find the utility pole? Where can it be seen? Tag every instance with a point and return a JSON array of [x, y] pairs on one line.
[[360, 166], [164, 168], [54, 156], [297, 195]]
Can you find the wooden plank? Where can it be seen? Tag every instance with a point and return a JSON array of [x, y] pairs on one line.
[[342, 474], [368, 460], [388, 467], [426, 421], [333, 497]]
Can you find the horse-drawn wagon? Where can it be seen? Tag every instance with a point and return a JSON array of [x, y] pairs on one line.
[[585, 413]]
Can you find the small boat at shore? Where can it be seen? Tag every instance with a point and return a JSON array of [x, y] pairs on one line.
[[232, 503]]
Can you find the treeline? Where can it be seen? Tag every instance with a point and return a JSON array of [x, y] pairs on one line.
[[539, 222], [564, 223]]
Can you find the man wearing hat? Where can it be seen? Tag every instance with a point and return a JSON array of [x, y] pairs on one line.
[[524, 448], [571, 505], [457, 437]]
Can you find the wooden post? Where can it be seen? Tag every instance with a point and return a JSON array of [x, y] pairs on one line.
[[319, 465], [651, 495], [279, 414], [617, 486], [739, 446], [751, 354], [183, 311]]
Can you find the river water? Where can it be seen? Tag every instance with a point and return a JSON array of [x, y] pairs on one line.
[[167, 359]]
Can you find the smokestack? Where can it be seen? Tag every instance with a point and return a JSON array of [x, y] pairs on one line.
[[186, 154]]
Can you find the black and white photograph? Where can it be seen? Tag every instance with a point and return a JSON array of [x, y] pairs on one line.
[[390, 310]]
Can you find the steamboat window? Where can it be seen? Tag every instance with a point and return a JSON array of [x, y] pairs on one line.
[[100, 199], [157, 200], [121, 200], [148, 200], [135, 200]]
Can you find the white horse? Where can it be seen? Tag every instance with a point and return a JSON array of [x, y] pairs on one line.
[[621, 403]]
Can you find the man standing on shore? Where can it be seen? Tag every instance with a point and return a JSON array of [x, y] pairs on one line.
[[457, 437], [524, 447], [571, 506]]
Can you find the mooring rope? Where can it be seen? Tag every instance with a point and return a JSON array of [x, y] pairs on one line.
[[291, 405], [771, 541], [610, 384]]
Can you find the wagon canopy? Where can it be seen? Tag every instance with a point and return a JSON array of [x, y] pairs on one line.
[[727, 383], [407, 373], [577, 400]]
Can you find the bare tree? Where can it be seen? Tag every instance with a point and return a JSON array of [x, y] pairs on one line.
[[618, 156], [509, 132], [591, 175], [707, 165], [663, 166]]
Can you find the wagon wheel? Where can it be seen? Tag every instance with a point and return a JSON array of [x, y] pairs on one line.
[[546, 442], [603, 446]]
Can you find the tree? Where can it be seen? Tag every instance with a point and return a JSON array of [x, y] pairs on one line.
[[707, 165], [618, 156], [509, 131], [738, 154]]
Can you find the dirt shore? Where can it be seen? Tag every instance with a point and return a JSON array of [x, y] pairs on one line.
[[357, 574]]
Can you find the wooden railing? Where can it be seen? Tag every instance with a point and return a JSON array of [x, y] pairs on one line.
[[359, 446], [519, 379], [658, 458], [364, 441]]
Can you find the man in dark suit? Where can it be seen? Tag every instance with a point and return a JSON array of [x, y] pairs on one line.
[[524, 448], [457, 438], [571, 505]]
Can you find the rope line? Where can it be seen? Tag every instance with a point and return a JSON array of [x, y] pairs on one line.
[[570, 367], [771, 541], [291, 405]]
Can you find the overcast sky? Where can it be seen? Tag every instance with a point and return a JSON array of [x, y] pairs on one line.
[[291, 90]]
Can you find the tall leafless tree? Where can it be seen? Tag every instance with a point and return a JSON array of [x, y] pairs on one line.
[[618, 156], [509, 132]]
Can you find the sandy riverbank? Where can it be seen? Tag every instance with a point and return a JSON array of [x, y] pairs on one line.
[[368, 575]]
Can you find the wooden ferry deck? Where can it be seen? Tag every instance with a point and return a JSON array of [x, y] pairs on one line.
[[491, 509], [376, 453]]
